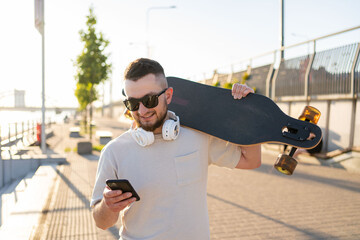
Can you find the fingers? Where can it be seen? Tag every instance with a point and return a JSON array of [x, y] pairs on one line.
[[116, 200], [311, 136], [239, 91]]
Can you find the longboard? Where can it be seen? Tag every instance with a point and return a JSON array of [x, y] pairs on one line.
[[252, 120]]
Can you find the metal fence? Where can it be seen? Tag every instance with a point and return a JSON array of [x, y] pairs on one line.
[[290, 77], [320, 75], [331, 71], [258, 78]]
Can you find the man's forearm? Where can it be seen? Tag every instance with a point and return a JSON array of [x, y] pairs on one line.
[[250, 157], [103, 216]]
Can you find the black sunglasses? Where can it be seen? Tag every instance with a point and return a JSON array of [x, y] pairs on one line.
[[149, 101]]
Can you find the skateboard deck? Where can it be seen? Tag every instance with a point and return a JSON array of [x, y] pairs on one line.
[[251, 120]]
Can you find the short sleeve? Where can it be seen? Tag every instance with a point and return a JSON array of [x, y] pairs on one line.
[[106, 170], [223, 153]]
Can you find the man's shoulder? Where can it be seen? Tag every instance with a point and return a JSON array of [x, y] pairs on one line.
[[196, 134], [190, 132]]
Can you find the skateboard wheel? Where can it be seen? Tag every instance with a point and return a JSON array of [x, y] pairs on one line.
[[285, 164], [310, 114]]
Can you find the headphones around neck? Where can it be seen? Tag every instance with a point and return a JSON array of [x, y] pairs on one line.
[[170, 131]]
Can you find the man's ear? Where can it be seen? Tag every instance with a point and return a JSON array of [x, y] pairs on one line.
[[169, 93]]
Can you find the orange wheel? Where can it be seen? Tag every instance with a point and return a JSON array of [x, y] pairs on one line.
[[285, 164], [310, 114]]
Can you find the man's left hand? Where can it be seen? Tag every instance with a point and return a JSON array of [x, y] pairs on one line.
[[240, 90]]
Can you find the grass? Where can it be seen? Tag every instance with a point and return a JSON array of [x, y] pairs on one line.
[[98, 147], [67, 150]]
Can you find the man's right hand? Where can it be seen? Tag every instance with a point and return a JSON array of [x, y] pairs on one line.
[[116, 201]]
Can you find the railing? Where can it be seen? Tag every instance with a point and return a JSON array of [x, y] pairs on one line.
[[317, 75], [357, 75], [17, 131], [17, 137], [324, 75], [290, 78], [331, 71], [328, 78]]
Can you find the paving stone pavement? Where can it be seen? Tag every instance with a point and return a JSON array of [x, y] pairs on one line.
[[317, 202], [67, 214]]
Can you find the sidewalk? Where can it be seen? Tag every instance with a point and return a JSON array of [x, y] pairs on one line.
[[316, 202], [67, 214]]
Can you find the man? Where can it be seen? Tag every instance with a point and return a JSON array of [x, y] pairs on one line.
[[170, 176]]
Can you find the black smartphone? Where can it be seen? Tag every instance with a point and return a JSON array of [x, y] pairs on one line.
[[123, 185]]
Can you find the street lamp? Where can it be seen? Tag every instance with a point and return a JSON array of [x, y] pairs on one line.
[[147, 25]]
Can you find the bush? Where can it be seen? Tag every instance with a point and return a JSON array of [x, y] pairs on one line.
[[228, 85], [217, 84]]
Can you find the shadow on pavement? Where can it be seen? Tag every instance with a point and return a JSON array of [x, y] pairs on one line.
[[348, 185], [113, 230], [311, 234], [91, 157]]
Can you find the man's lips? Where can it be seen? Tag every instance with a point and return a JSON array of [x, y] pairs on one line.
[[147, 117]]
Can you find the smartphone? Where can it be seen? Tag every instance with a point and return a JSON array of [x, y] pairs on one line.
[[123, 185]]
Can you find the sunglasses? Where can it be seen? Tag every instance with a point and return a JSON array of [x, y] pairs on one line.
[[149, 101]]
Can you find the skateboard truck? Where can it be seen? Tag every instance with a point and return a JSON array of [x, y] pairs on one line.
[[286, 164]]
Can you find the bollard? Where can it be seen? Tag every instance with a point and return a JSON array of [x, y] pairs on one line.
[[33, 128], [38, 133]]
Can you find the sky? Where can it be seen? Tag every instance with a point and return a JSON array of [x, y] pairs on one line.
[[190, 41]]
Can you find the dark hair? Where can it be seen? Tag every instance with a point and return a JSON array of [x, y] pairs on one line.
[[141, 67]]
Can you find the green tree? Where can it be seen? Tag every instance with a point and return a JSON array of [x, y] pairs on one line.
[[92, 65], [84, 94]]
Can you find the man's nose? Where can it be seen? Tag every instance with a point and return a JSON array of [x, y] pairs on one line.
[[142, 109]]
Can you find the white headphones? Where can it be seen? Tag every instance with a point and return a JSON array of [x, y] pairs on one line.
[[170, 131]]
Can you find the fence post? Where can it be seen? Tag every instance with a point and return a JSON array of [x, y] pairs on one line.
[[327, 126], [273, 84], [354, 100], [307, 76], [269, 78]]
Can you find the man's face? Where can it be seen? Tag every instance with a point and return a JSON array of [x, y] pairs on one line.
[[150, 119]]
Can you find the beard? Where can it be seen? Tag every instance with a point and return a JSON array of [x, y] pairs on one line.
[[157, 124]]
